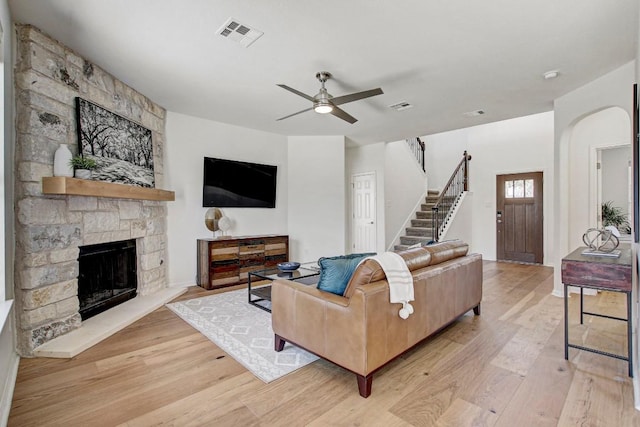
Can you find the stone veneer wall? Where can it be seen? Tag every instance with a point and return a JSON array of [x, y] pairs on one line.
[[49, 229]]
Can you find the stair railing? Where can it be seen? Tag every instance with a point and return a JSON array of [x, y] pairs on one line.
[[442, 209], [417, 148]]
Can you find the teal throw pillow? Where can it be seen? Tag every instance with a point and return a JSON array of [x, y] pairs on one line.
[[335, 272]]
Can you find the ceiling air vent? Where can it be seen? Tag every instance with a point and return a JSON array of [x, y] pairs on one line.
[[239, 33], [474, 113], [401, 106]]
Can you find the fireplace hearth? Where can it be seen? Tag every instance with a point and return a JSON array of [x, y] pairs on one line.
[[107, 276]]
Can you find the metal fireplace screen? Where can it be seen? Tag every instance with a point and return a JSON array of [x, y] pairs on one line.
[[108, 276]]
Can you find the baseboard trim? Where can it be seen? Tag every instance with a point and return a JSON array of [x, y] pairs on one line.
[[7, 391]]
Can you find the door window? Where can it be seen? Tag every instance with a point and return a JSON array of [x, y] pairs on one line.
[[518, 188]]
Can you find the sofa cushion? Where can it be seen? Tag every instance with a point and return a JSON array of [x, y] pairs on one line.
[[416, 258], [444, 251], [335, 272]]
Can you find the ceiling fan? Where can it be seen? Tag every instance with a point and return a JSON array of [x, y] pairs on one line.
[[324, 102]]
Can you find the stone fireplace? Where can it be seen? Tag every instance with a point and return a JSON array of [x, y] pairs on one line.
[[51, 229]]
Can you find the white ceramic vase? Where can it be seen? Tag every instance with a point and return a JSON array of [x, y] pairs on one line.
[[83, 173], [61, 159]]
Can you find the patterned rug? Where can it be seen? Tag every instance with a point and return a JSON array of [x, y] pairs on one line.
[[243, 331]]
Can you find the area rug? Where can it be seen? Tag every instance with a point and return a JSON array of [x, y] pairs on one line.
[[243, 331]]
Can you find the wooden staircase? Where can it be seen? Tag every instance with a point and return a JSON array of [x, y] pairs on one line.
[[421, 229], [435, 213]]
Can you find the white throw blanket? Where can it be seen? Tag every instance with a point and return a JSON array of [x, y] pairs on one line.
[[400, 281]]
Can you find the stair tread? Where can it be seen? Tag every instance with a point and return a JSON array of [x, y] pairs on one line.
[[414, 239]]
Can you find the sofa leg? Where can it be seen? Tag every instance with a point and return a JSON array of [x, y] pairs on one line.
[[364, 384], [476, 310], [278, 343]]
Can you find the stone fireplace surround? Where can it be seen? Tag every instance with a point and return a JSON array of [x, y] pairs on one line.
[[50, 228]]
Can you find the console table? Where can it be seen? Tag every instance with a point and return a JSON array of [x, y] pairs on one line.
[[227, 261], [603, 274]]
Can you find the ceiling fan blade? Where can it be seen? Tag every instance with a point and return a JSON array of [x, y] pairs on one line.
[[339, 100], [339, 112], [294, 114], [297, 92]]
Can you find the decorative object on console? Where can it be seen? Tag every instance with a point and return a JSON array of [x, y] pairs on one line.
[[122, 149], [613, 215], [225, 224], [288, 266], [61, 159], [601, 242], [83, 166], [211, 218]]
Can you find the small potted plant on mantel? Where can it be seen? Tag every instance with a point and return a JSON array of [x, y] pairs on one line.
[[82, 166]]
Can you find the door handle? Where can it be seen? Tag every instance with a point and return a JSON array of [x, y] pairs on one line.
[[371, 222], [499, 221]]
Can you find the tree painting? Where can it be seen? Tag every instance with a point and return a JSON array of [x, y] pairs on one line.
[[122, 149]]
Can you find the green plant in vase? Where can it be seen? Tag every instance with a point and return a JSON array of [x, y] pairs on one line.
[[82, 166], [613, 215]]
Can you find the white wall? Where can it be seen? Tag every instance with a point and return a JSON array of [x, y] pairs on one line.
[[189, 140], [405, 186], [614, 89], [367, 158], [443, 152], [605, 128], [461, 225], [523, 144], [615, 177], [317, 197]]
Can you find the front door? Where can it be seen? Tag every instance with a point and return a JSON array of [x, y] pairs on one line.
[[519, 217], [364, 212]]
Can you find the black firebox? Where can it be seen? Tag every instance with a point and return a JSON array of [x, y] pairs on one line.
[[108, 276]]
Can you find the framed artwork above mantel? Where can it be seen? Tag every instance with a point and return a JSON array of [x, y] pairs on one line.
[[122, 149]]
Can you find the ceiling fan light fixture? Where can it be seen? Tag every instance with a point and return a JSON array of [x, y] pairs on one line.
[[324, 103], [322, 107]]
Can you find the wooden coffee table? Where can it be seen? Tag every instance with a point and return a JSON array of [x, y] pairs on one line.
[[261, 296]]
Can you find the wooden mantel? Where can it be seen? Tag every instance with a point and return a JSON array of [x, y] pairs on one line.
[[84, 187]]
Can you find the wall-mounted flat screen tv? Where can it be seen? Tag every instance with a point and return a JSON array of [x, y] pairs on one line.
[[234, 184]]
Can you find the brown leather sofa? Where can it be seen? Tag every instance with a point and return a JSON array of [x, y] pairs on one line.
[[361, 331]]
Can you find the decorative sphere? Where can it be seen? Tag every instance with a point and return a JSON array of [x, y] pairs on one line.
[[224, 223]]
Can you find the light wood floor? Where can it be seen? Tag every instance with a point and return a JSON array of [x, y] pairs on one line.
[[503, 368]]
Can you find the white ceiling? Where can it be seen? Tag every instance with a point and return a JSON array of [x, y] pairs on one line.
[[443, 57]]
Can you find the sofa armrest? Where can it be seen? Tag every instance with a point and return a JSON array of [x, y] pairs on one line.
[[329, 325]]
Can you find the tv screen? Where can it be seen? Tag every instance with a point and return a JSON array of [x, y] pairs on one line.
[[233, 184]]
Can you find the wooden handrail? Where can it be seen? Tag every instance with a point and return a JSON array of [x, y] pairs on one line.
[[417, 147]]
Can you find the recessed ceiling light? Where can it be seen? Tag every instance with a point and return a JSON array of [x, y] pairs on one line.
[[551, 74]]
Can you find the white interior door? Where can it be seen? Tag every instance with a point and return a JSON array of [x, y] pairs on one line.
[[364, 212]]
